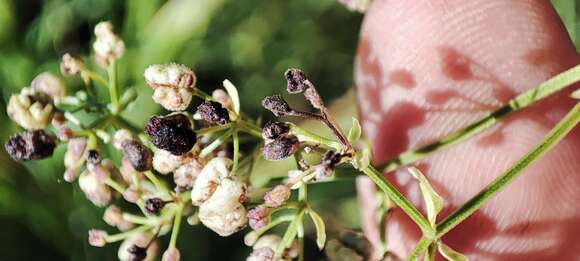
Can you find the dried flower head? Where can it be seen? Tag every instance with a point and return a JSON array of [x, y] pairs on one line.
[[329, 162], [71, 65], [50, 85], [173, 85], [172, 133], [277, 196], [97, 238], [153, 206], [30, 109], [277, 105], [296, 80], [274, 130], [94, 157], [108, 45], [280, 148], [171, 254], [137, 253], [140, 157], [258, 217], [213, 112], [31, 145]]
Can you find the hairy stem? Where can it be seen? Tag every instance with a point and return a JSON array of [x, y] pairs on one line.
[[549, 141], [523, 100], [399, 200]]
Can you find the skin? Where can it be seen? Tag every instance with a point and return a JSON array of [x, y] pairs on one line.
[[426, 68]]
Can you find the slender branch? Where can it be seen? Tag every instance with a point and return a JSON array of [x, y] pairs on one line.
[[176, 225], [236, 143], [523, 100], [399, 199], [422, 245], [113, 89], [549, 141]]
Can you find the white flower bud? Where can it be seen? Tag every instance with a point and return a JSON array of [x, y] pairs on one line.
[[50, 85], [139, 239], [222, 212], [97, 238], [209, 178], [71, 65], [74, 151], [108, 45], [172, 84], [95, 190], [277, 196], [114, 217], [121, 136], [165, 162], [261, 254], [31, 110], [171, 254]]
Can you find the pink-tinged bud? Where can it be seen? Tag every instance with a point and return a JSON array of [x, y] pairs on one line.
[[71, 65], [131, 194], [222, 97], [74, 151], [261, 254], [95, 190], [112, 215], [185, 175], [50, 85], [277, 196], [108, 45], [97, 238], [164, 162], [258, 217], [30, 109], [171, 254], [127, 170], [70, 174]]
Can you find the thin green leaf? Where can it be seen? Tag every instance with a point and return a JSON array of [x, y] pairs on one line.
[[451, 254], [433, 201], [363, 157], [290, 234], [576, 94], [355, 131], [233, 92], [320, 228]]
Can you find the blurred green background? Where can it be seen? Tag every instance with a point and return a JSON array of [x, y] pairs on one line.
[[250, 42]]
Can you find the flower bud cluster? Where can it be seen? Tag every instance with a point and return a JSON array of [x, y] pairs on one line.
[[173, 85], [108, 46], [31, 109], [220, 197], [71, 65]]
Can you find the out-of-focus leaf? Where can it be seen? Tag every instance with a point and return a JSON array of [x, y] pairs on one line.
[[569, 12], [451, 254], [320, 228], [433, 201], [576, 94]]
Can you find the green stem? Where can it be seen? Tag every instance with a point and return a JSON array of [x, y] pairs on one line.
[[138, 219], [95, 77], [549, 141], [176, 225], [158, 184], [311, 138], [236, 142], [216, 143], [213, 129], [115, 185], [121, 236], [399, 199], [422, 245], [201, 94], [250, 128], [113, 87], [523, 100]]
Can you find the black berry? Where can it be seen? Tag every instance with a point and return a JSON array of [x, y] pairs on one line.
[[213, 112], [140, 157], [31, 145], [172, 133], [277, 105]]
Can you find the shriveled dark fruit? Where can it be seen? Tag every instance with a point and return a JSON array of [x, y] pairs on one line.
[[172, 133], [140, 157], [137, 253], [280, 148], [273, 130], [330, 160], [296, 80], [31, 145], [277, 105], [213, 112], [153, 206]]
